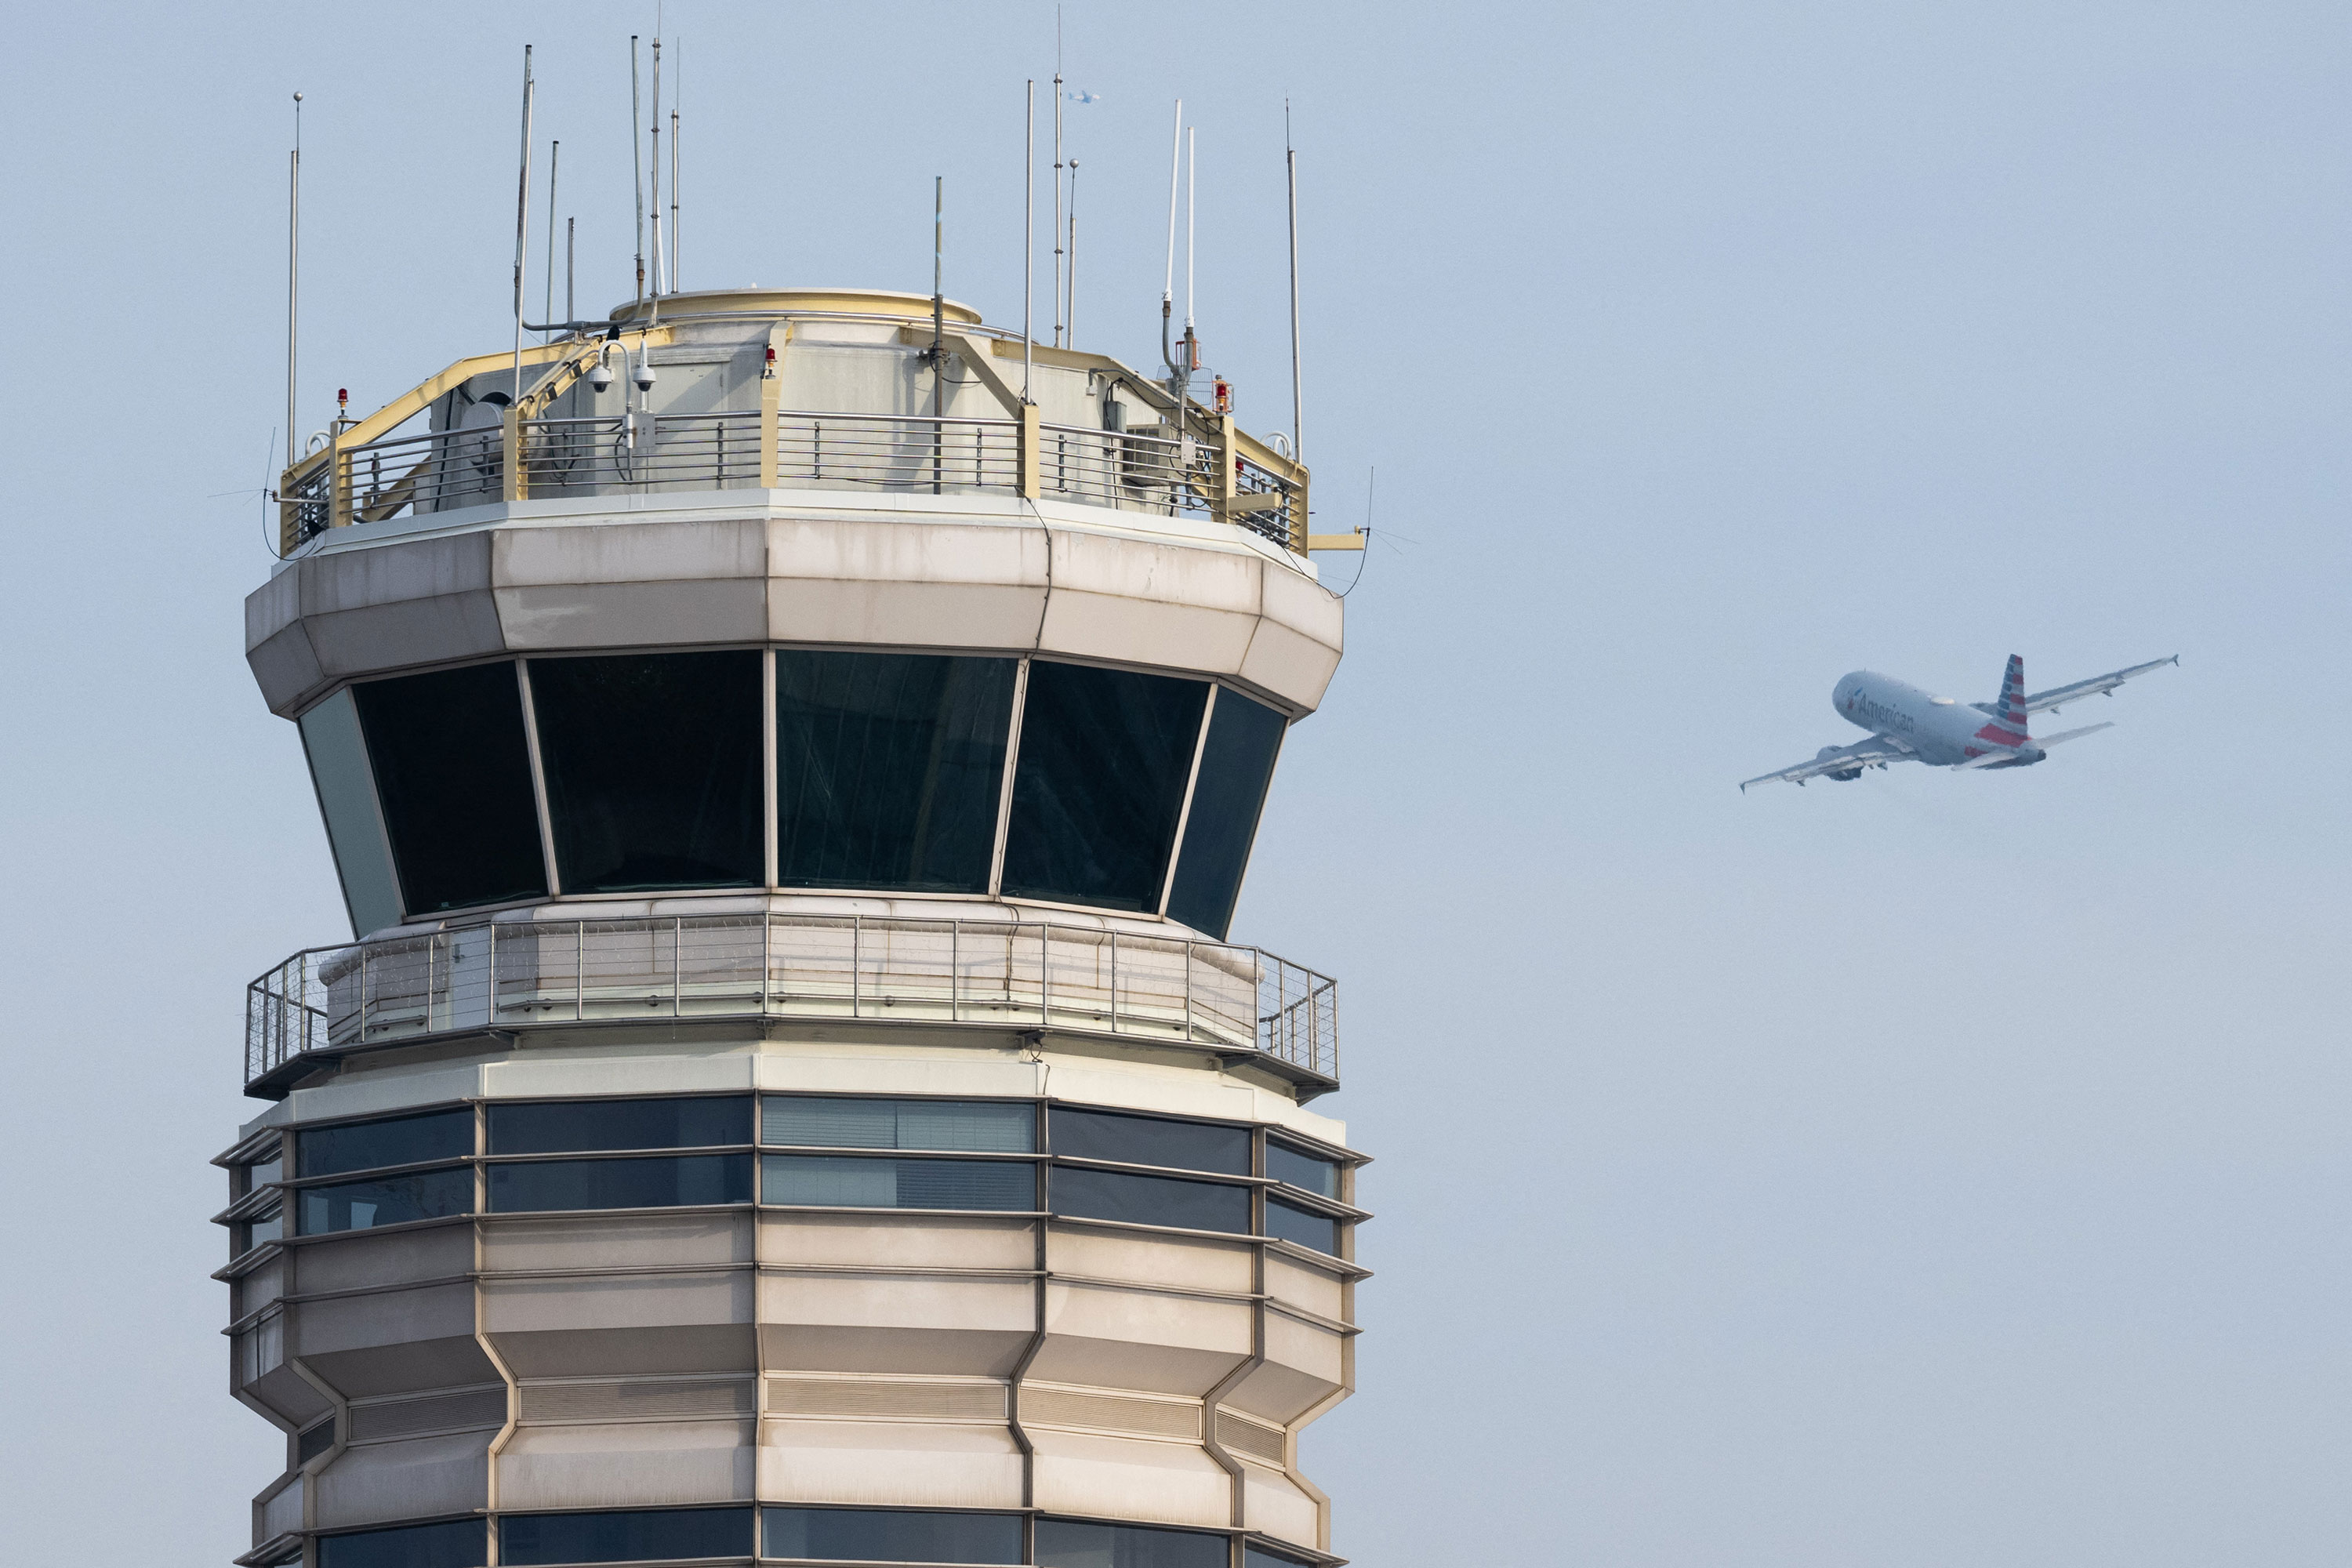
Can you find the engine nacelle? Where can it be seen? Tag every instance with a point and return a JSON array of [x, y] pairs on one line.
[[1842, 775]]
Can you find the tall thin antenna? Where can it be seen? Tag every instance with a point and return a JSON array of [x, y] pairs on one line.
[[939, 298], [522, 228], [637, 163], [571, 275], [1175, 157], [1290, 167], [1071, 283], [1058, 176], [1028, 236], [293, 277], [676, 96], [1191, 182], [546, 306], [1168, 282], [659, 274]]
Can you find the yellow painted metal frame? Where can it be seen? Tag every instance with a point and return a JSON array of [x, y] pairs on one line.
[[573, 355]]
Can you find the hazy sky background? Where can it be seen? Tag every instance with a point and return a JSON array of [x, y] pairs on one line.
[[1936, 1170]]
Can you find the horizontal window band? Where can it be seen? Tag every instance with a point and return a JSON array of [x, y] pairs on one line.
[[547, 1156], [376, 1173]]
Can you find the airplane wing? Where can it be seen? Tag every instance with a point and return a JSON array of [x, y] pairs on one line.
[[2048, 701], [1875, 753]]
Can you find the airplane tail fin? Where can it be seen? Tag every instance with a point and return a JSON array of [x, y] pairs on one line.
[[2011, 710]]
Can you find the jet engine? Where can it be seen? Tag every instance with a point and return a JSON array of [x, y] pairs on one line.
[[1842, 775]]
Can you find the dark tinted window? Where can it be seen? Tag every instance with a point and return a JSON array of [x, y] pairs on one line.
[[314, 1441], [891, 1536], [1066, 1543], [452, 769], [1300, 1169], [653, 1183], [1104, 757], [456, 1543], [402, 1140], [639, 1537], [1236, 764], [653, 769], [244, 1238], [619, 1124], [1150, 1200], [991, 1127], [1294, 1224], [889, 766], [1259, 1557], [1151, 1140], [387, 1200], [847, 1180]]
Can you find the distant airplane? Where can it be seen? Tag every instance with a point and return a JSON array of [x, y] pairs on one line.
[[1908, 725]]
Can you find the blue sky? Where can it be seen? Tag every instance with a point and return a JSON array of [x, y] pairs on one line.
[[1935, 1170]]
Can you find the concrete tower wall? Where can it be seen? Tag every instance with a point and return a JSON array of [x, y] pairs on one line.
[[921, 1222]]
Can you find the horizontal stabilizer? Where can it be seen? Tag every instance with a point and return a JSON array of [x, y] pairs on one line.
[[2046, 741], [1986, 761], [2044, 702]]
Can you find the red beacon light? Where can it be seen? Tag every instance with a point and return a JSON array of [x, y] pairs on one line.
[[1224, 395]]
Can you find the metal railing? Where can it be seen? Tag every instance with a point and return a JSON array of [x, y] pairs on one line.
[[619, 454], [1004, 973], [863, 451], [640, 451]]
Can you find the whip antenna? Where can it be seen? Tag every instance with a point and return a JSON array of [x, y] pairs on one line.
[[1191, 182], [1028, 236], [1058, 176], [637, 164], [677, 97], [1290, 166], [293, 272], [659, 275], [1168, 279], [522, 229], [546, 306]]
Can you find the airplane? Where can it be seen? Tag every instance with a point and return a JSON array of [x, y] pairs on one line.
[[1908, 725]]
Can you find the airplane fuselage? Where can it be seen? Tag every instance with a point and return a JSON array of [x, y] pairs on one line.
[[1943, 732]]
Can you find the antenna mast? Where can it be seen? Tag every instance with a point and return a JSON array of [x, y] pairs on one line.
[[1058, 176], [1071, 283], [523, 230], [939, 299], [1028, 236], [637, 163], [570, 276], [293, 276], [659, 274], [677, 97], [1192, 181], [1290, 166], [546, 306], [1168, 281]]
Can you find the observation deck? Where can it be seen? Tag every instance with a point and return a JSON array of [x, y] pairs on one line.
[[1239, 1005], [753, 414]]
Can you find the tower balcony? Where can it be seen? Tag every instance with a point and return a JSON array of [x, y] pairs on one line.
[[1239, 1007], [801, 390]]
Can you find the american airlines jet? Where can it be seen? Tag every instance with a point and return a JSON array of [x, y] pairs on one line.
[[1907, 725]]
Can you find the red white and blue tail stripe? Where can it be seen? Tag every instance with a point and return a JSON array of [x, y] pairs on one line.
[[2008, 726]]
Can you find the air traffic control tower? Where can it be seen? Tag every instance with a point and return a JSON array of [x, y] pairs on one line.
[[790, 1096]]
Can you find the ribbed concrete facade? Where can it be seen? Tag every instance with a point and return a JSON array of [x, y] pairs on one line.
[[792, 1099]]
